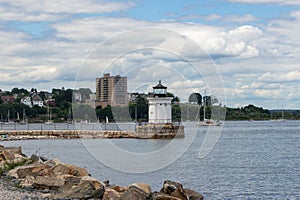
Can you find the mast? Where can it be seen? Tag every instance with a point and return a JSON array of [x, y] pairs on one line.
[[8, 113], [282, 113]]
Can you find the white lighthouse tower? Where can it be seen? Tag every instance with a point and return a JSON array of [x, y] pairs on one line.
[[160, 124], [160, 109]]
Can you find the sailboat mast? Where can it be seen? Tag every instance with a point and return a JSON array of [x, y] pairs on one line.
[[282, 113]]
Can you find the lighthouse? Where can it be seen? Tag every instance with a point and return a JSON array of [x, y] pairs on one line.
[[160, 124], [160, 108]]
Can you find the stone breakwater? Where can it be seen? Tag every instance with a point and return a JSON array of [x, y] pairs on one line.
[[150, 131], [39, 178]]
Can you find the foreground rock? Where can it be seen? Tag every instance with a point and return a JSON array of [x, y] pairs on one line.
[[64, 181]]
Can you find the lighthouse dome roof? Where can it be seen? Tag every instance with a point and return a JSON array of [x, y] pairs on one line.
[[159, 86]]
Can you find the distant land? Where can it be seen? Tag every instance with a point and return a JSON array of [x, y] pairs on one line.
[[21, 105]]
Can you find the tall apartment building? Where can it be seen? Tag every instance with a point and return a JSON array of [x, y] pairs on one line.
[[111, 90]]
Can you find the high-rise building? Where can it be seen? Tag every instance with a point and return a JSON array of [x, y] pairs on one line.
[[111, 90]]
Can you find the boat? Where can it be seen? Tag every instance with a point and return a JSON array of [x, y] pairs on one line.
[[8, 119], [24, 118], [49, 117], [208, 122]]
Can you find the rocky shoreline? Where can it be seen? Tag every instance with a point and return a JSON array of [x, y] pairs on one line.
[[36, 177]]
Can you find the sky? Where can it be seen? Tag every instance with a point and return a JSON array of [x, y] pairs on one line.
[[241, 51]]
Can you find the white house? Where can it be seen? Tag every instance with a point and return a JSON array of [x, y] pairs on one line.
[[37, 100], [27, 101]]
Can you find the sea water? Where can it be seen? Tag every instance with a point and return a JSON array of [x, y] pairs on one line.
[[250, 160]]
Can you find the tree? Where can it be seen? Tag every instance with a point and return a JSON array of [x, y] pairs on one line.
[[15, 91], [195, 98]]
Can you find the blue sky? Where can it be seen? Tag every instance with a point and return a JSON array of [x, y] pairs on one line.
[[253, 44]]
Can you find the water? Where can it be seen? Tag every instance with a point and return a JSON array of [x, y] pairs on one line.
[[252, 160]]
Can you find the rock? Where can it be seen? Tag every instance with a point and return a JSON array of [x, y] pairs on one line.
[[84, 190], [61, 168], [173, 189], [178, 194], [162, 196], [8, 155], [193, 195], [28, 181], [119, 188], [32, 170], [137, 191], [35, 158], [28, 170], [52, 183], [44, 159], [111, 194], [171, 186], [97, 184], [106, 183], [52, 162]]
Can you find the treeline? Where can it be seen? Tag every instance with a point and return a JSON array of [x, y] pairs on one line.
[[136, 111], [65, 109]]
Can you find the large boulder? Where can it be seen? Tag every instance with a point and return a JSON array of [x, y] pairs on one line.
[[162, 196], [192, 195], [86, 189], [8, 155], [61, 168], [11, 154], [176, 190], [173, 189], [171, 186], [52, 183], [111, 194], [35, 169], [137, 191]]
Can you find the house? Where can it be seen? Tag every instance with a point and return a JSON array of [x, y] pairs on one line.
[[37, 100], [91, 100], [77, 96], [27, 101], [50, 102], [8, 98]]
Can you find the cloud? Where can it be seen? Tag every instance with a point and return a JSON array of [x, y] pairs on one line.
[[67, 6], [241, 19], [7, 14], [280, 2], [256, 61], [43, 10], [293, 76]]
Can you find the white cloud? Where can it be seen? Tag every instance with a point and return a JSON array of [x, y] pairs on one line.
[[7, 14], [67, 6], [44, 10], [256, 61], [288, 77], [280, 2]]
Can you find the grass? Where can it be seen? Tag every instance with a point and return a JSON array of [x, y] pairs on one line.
[[9, 166]]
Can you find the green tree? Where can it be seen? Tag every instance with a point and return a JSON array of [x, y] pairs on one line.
[[195, 98]]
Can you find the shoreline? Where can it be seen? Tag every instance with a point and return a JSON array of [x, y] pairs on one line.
[[8, 190], [35, 177]]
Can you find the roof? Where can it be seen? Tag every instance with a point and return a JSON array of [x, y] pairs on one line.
[[159, 86]]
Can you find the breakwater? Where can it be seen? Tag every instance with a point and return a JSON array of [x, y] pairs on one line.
[[142, 132]]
